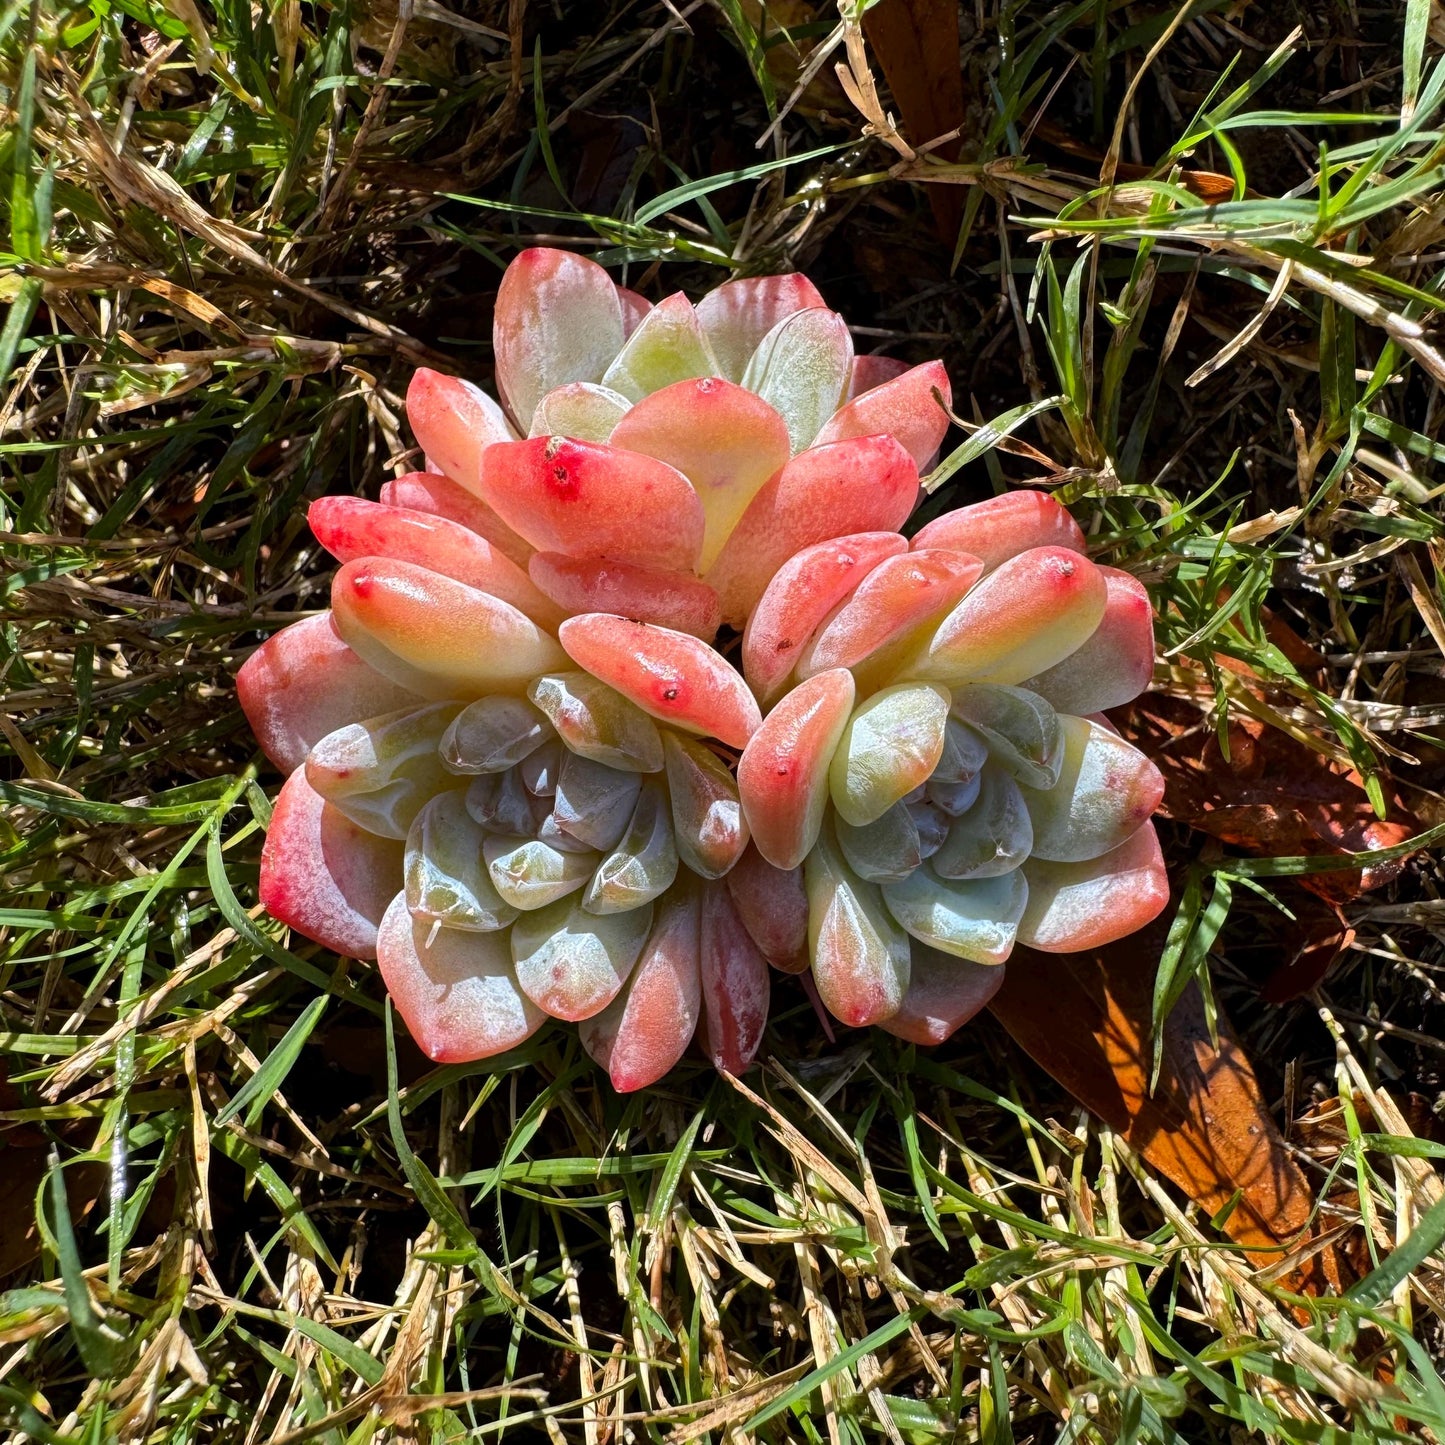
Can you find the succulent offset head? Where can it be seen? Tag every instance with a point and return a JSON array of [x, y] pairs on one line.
[[638, 690]]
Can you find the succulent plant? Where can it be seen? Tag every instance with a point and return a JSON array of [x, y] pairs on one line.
[[637, 692]]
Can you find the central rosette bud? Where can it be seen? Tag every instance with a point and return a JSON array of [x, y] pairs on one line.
[[609, 718]]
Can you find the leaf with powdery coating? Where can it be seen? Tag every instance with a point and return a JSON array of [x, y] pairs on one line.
[[1074, 906], [597, 722], [903, 407], [436, 636], [736, 984], [454, 422], [707, 816], [380, 772], [944, 993], [1107, 790], [558, 319], [456, 991], [866, 485], [530, 874], [446, 876], [593, 802], [1002, 527], [738, 314], [801, 369], [668, 346], [1025, 616], [304, 682], [773, 905], [724, 439], [900, 595], [350, 527], [671, 675], [439, 496], [641, 594], [890, 747], [954, 783], [500, 803], [860, 954], [977, 919], [585, 499], [1115, 664], [644, 1032], [493, 734], [585, 410], [800, 596], [634, 310], [886, 850], [873, 370], [1021, 729], [323, 875], [571, 963], [539, 770], [995, 835], [644, 864], [783, 773]]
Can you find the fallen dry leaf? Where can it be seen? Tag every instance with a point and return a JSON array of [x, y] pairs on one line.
[[1085, 1019]]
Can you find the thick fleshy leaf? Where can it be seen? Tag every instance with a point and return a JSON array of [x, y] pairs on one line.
[[1028, 614], [350, 528], [1021, 729], [724, 439], [380, 772], [773, 905], [801, 368], [892, 743], [493, 734], [644, 863], [1107, 790], [873, 370], [322, 875], [1074, 906], [305, 682], [1115, 664], [587, 500], [707, 816], [886, 850], [866, 485], [593, 802], [738, 314], [597, 722], [540, 769], [585, 410], [954, 784], [572, 963], [645, 1030], [932, 824], [800, 596], [899, 596], [1002, 527], [439, 496], [456, 991], [674, 676], [977, 919], [668, 346], [437, 636], [595, 584], [783, 773], [860, 954], [558, 319], [993, 837], [501, 803], [530, 874], [446, 876], [634, 308], [904, 408], [735, 984], [944, 993], [454, 422]]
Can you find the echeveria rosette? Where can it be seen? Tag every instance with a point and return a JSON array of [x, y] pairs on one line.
[[535, 772]]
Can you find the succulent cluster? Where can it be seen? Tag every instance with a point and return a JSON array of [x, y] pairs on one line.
[[528, 778]]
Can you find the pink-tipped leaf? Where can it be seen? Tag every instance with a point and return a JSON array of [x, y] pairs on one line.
[[735, 984], [738, 314], [904, 408], [1002, 527], [591, 584]]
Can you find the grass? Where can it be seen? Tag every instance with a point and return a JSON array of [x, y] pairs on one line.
[[237, 1205]]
